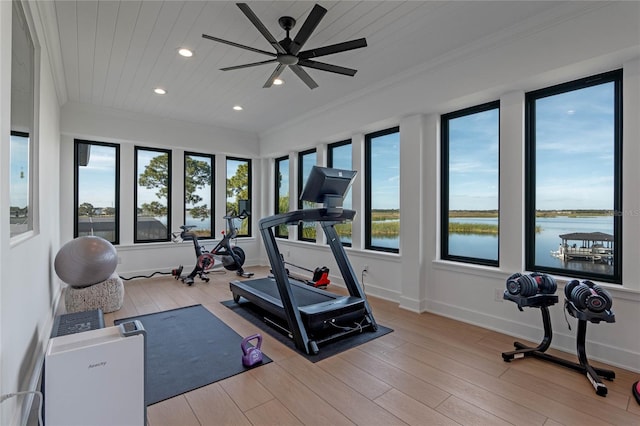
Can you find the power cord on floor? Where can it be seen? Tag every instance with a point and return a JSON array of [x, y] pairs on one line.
[[38, 393], [145, 276]]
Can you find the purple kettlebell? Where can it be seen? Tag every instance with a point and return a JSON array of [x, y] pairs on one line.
[[251, 355]]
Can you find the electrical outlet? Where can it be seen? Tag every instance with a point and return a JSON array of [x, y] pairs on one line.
[[498, 295], [288, 253], [119, 260], [365, 268]]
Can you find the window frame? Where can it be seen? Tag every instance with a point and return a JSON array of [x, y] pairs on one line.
[[367, 190], [616, 77], [330, 156], [31, 129], [276, 205], [249, 191], [136, 149], [444, 183], [212, 158], [76, 175], [301, 183]]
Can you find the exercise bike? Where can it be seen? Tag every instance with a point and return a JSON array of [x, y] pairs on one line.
[[231, 257]]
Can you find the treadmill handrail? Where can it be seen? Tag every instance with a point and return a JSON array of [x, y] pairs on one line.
[[306, 215]]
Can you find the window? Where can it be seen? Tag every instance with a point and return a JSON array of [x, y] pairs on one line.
[[339, 157], [306, 161], [470, 179], [239, 189], [96, 197], [574, 204], [198, 193], [152, 194], [382, 190], [282, 193], [21, 142]]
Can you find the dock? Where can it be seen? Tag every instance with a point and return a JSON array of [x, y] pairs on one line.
[[585, 246]]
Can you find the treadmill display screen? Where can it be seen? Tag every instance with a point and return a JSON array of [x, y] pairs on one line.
[[327, 186]]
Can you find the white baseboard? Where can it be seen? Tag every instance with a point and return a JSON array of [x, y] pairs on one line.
[[563, 340]]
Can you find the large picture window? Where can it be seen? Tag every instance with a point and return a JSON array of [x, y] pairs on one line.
[[339, 156], [239, 190], [306, 161], [382, 190], [282, 193], [21, 148], [574, 204], [97, 182], [470, 180], [152, 195], [198, 193]]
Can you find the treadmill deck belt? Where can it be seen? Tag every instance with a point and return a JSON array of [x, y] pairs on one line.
[[319, 309]]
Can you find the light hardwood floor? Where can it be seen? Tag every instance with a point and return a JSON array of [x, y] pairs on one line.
[[430, 371]]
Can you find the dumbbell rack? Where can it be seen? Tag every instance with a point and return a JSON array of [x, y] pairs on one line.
[[543, 301], [592, 373]]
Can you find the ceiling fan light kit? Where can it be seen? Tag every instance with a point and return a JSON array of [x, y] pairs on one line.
[[288, 52]]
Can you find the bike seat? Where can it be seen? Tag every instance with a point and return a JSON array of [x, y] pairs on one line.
[[187, 227]]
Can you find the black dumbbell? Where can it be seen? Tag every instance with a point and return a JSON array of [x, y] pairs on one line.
[[590, 296], [568, 288], [546, 284], [530, 285], [512, 283], [524, 285]]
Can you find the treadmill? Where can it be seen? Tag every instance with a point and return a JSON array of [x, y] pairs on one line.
[[311, 316]]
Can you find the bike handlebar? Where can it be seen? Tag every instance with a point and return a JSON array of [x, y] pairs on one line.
[[242, 215]]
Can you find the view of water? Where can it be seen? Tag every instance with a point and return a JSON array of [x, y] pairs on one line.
[[547, 240], [486, 246]]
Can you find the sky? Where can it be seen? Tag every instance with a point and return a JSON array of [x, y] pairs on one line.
[[97, 179], [574, 154], [574, 159], [385, 172], [473, 161], [342, 159], [19, 171], [574, 149]]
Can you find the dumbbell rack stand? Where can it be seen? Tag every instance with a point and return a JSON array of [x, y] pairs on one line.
[[543, 301], [592, 373]]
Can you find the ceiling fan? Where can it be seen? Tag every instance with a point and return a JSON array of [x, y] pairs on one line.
[[288, 52]]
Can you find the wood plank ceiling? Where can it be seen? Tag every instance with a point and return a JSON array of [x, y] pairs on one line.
[[115, 52]]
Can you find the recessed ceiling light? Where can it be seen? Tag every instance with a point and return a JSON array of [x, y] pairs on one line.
[[159, 91], [238, 108], [187, 53], [278, 82]]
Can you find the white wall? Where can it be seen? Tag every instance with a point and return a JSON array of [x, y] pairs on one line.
[[28, 290], [564, 48], [128, 130]]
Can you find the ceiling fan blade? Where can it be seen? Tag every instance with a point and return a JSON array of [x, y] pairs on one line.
[[241, 46], [275, 74], [310, 24], [304, 76], [260, 26], [253, 64], [327, 67], [333, 48]]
